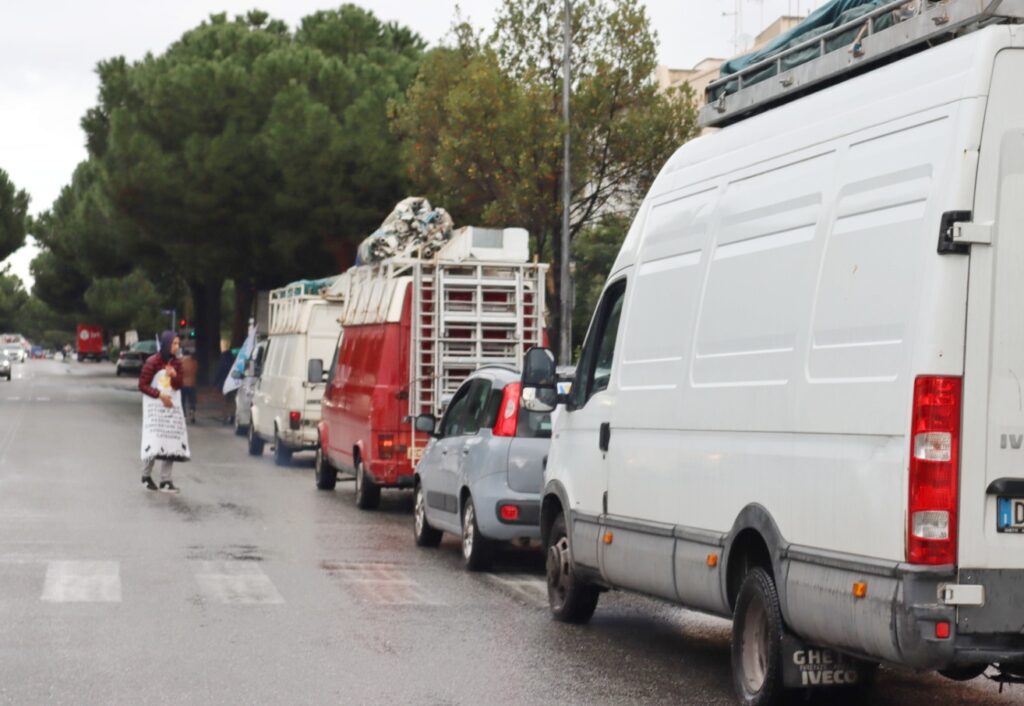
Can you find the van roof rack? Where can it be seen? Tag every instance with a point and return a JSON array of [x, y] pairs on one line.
[[916, 25]]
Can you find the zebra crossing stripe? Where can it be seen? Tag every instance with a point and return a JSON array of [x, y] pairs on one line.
[[237, 583], [82, 582]]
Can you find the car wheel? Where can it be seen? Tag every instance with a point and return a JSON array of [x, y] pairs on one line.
[[423, 533], [282, 454], [240, 429], [477, 550], [255, 442], [326, 475], [570, 598], [367, 492], [757, 641]]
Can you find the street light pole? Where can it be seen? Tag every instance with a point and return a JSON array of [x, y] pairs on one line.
[[564, 277]]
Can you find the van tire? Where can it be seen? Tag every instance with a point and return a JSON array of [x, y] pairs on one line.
[[477, 550], [757, 631], [570, 598], [367, 492], [422, 532], [255, 442], [326, 475], [282, 454]]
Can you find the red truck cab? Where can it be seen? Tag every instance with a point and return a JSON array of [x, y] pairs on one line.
[[412, 331]]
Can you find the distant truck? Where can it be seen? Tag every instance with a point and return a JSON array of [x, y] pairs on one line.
[[412, 330], [89, 342]]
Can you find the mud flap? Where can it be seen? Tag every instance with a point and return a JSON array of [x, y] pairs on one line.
[[806, 666]]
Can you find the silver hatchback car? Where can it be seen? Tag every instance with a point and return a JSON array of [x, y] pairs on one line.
[[480, 477]]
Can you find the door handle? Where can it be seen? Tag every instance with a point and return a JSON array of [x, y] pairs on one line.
[[605, 436], [465, 452]]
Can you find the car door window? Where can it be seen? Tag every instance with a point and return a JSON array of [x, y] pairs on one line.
[[476, 410], [595, 368], [454, 417]]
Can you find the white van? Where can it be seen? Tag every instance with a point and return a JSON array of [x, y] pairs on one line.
[[304, 329], [800, 401]]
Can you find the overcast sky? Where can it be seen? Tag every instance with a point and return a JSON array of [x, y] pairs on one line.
[[48, 49]]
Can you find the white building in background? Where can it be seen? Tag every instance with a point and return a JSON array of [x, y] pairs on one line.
[[707, 70]]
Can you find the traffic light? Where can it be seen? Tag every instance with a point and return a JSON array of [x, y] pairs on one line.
[[183, 324]]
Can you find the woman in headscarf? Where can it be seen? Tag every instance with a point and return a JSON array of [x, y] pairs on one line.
[[165, 359]]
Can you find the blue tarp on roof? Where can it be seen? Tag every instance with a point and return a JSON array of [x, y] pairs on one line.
[[827, 17]]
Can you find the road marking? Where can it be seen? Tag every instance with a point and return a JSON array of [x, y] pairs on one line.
[[42, 399], [13, 399], [82, 582], [380, 583], [237, 583]]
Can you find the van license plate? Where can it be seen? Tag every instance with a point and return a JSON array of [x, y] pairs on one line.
[[1011, 515]]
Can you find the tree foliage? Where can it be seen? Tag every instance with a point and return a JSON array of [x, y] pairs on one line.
[[13, 298], [13, 216], [246, 152], [482, 127]]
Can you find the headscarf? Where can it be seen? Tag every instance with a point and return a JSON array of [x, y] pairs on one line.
[[166, 339]]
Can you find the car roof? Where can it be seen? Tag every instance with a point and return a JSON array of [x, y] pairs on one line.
[[500, 373]]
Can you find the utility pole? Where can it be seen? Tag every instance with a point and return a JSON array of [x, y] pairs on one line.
[[564, 276]]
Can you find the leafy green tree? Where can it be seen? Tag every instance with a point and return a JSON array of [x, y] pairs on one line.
[[13, 298], [482, 126], [13, 216], [594, 252], [248, 153], [123, 303]]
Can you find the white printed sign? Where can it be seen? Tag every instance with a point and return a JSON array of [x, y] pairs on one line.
[[164, 434]]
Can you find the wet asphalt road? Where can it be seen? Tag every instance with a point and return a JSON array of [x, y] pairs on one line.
[[253, 587]]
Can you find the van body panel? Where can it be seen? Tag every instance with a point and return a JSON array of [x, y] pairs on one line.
[[993, 414], [785, 291]]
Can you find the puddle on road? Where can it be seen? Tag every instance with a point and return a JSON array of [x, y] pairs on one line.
[[198, 512]]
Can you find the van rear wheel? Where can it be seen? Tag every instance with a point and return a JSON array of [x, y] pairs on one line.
[[367, 492], [282, 454], [757, 631], [570, 598], [255, 442], [326, 474]]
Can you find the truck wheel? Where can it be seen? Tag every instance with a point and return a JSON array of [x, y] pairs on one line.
[[282, 454], [757, 641], [255, 442], [422, 532], [326, 475], [477, 550], [367, 492], [571, 599]]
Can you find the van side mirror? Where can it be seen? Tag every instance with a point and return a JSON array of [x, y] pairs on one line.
[[540, 381], [426, 423], [315, 372]]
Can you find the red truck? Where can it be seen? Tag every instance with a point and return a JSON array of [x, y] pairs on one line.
[[412, 331], [89, 342]]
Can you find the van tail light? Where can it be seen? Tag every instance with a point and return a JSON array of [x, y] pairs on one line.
[[294, 419], [508, 413], [385, 445], [934, 466]]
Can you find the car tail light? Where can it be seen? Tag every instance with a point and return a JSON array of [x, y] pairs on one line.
[[385, 445], [508, 413], [294, 419], [934, 465], [509, 513], [942, 630]]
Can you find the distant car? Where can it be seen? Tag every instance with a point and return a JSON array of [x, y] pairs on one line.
[[5, 366], [16, 352], [130, 362], [243, 400], [480, 477]]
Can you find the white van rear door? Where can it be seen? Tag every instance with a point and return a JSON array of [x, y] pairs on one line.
[[991, 525]]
